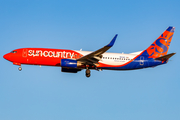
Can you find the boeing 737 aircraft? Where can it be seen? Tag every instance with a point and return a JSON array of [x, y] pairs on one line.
[[73, 60]]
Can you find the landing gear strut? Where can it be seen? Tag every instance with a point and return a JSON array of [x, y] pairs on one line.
[[20, 68], [88, 72]]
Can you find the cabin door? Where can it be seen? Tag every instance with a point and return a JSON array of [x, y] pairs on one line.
[[24, 53], [141, 60]]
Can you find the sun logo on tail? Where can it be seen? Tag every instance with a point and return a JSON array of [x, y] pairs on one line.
[[161, 45]]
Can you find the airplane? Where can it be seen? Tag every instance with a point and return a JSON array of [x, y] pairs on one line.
[[73, 61]]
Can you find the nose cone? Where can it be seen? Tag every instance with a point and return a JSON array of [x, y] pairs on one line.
[[6, 56]]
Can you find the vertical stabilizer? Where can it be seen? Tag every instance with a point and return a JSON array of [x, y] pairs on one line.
[[161, 45]]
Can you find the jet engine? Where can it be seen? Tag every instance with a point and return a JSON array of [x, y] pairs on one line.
[[69, 63]]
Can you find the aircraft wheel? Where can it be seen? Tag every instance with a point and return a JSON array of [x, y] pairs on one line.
[[20, 68], [88, 73]]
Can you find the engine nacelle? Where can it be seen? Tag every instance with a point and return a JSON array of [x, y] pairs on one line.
[[69, 63], [70, 70]]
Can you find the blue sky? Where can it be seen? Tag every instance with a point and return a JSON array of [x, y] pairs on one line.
[[47, 93]]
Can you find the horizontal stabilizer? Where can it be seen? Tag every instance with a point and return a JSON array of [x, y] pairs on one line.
[[165, 57]]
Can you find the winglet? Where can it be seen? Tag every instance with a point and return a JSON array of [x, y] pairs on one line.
[[112, 41]]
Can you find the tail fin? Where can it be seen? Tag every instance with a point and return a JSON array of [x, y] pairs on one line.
[[161, 45]]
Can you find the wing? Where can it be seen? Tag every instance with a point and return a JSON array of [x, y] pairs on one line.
[[95, 56]]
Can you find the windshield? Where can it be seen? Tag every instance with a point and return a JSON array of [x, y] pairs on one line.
[[13, 51]]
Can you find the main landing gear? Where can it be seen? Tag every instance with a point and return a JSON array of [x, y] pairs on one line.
[[88, 72], [20, 68]]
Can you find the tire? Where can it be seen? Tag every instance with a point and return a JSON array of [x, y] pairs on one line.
[[88, 71], [20, 68], [88, 75]]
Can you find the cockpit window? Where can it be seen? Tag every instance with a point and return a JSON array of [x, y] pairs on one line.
[[13, 51]]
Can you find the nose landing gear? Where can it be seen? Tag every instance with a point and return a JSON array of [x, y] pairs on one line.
[[88, 72], [20, 68]]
